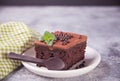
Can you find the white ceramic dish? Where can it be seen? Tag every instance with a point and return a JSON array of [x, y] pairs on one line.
[[92, 59]]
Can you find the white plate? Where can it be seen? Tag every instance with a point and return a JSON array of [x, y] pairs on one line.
[[92, 59]]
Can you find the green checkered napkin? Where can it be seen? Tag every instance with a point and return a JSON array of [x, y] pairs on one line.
[[14, 37]]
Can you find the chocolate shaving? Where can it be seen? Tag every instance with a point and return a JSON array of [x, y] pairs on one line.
[[80, 37], [81, 65], [63, 37]]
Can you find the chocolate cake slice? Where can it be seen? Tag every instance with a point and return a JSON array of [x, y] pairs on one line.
[[70, 47]]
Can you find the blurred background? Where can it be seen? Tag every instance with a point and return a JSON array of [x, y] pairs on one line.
[[61, 2]]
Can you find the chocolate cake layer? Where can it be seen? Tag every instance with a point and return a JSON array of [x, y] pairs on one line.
[[71, 52]]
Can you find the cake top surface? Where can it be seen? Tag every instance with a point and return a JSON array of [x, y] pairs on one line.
[[64, 40]]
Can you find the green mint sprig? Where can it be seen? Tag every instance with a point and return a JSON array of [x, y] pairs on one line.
[[48, 38]]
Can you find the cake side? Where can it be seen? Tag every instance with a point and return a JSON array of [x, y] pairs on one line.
[[70, 53]]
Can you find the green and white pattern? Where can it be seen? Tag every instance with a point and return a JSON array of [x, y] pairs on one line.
[[14, 37]]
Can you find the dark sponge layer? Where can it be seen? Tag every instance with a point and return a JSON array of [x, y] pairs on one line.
[[71, 52], [70, 56]]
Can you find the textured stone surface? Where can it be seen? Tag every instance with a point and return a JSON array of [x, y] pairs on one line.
[[101, 24]]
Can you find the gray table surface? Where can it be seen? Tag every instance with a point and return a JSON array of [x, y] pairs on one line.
[[100, 24]]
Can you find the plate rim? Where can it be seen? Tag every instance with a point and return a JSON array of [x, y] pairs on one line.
[[91, 67]]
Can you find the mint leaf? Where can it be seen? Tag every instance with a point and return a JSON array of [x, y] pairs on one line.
[[50, 43], [48, 38]]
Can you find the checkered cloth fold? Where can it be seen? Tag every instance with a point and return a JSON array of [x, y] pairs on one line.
[[14, 37]]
